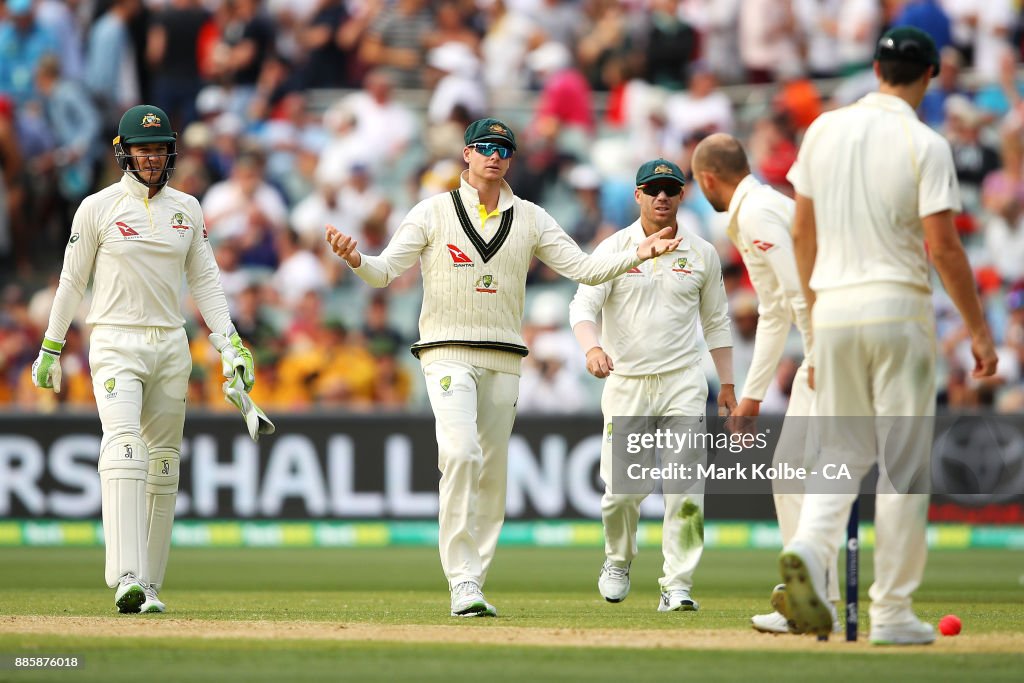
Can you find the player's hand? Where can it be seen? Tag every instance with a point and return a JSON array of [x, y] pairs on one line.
[[985, 358], [747, 407], [46, 368], [657, 244], [234, 357], [599, 363], [726, 400], [344, 246]]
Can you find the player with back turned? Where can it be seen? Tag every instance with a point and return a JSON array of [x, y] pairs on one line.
[[136, 239], [874, 188], [474, 245], [760, 219]]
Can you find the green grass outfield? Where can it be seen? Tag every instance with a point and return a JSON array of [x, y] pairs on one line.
[[382, 614]]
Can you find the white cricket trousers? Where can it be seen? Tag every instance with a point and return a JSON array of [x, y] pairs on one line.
[[140, 378], [474, 409], [798, 446], [682, 393], [875, 356]]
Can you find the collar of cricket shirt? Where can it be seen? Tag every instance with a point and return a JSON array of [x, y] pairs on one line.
[[136, 189], [890, 102], [744, 188], [637, 235], [471, 198]]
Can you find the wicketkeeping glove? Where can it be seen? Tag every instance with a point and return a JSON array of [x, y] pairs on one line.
[[256, 420], [46, 369], [234, 357]]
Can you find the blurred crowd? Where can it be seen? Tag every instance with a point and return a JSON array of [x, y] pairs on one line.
[[293, 114]]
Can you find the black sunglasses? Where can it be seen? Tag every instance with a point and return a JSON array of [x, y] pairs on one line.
[[654, 189], [488, 148]]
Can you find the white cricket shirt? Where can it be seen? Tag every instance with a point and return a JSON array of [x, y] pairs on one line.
[[759, 225], [873, 171], [135, 249], [649, 314]]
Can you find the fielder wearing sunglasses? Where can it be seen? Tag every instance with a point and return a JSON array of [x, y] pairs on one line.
[[654, 189], [488, 148]]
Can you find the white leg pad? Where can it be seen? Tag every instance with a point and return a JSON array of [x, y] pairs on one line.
[[122, 467], [161, 495]]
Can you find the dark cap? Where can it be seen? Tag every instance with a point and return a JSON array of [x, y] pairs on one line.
[[144, 123], [490, 130], [659, 169], [908, 44]]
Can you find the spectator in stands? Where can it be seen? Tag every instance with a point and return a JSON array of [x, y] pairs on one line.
[[451, 27], [818, 27], [509, 37], [75, 125], [456, 84], [565, 103], [604, 44], [670, 46], [396, 41], [381, 338], [994, 22], [172, 57], [997, 98], [23, 42], [717, 22], [64, 21], [930, 17], [933, 106], [859, 24], [1003, 201], [13, 247], [973, 157], [384, 126], [299, 271], [590, 225], [246, 208], [328, 50], [767, 38], [110, 71], [700, 108], [246, 42]]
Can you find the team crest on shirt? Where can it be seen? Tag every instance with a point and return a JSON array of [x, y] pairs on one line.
[[608, 433], [109, 386], [680, 267], [487, 284], [446, 385], [178, 223]]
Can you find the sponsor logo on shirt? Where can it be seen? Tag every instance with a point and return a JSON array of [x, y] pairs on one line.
[[608, 433], [74, 238], [459, 258], [206, 235], [109, 386], [446, 384], [486, 284], [764, 246], [178, 223], [634, 272], [127, 232]]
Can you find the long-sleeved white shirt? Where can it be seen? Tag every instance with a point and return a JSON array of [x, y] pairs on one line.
[[474, 275], [759, 226], [136, 249], [649, 314]]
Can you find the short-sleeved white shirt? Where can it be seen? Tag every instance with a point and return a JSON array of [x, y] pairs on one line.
[[873, 170]]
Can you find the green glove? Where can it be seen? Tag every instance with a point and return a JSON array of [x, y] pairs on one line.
[[46, 368], [234, 357]]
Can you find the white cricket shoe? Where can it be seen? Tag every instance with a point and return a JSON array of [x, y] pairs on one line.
[[677, 600], [468, 601], [807, 607], [153, 604], [129, 595], [613, 582], [914, 632], [773, 622]]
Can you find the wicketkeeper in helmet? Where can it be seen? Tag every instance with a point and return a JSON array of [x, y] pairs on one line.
[[135, 239]]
